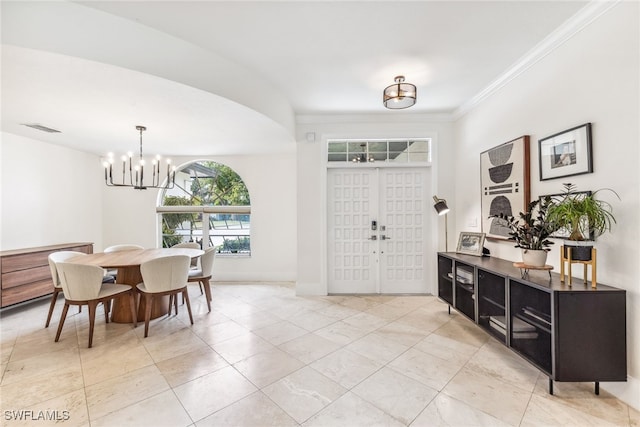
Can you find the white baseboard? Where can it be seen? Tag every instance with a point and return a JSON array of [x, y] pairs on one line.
[[628, 392]]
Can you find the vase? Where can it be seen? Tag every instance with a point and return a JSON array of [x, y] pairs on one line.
[[534, 258]]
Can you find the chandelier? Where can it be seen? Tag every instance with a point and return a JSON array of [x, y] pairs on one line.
[[399, 95], [362, 157], [136, 171]]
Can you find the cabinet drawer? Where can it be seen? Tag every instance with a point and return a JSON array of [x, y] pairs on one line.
[[24, 261], [25, 292], [23, 277]]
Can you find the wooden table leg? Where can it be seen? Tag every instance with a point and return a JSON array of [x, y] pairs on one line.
[[121, 312]]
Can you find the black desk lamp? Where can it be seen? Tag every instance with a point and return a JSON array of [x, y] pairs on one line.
[[442, 209]]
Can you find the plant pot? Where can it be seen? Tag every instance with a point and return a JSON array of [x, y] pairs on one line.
[[579, 252], [534, 258]]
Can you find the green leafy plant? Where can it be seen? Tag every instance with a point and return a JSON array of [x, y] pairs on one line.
[[531, 230], [583, 215]]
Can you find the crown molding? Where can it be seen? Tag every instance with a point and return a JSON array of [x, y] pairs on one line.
[[372, 118], [585, 16]]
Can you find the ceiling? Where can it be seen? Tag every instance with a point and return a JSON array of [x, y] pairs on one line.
[[219, 78]]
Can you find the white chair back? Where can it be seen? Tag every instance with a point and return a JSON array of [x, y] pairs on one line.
[[189, 245], [166, 273], [206, 261], [57, 257], [80, 282], [119, 248]]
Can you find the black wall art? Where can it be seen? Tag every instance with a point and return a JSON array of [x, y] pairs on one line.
[[504, 176]]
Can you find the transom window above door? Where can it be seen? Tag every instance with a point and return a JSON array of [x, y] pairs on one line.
[[391, 150]]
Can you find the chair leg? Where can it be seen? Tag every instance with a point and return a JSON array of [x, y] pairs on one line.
[[185, 295], [170, 305], [107, 309], [147, 313], [63, 316], [54, 298], [93, 305], [132, 303], [207, 292], [175, 303]]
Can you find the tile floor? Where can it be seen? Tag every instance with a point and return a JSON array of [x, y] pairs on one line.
[[264, 357]]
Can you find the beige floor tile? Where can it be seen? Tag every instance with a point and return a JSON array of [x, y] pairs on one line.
[[446, 348], [265, 368], [168, 346], [242, 347], [69, 410], [163, 409], [489, 395], [464, 331], [499, 362], [110, 361], [634, 416], [116, 393], [47, 385], [41, 364], [353, 411], [214, 334], [446, 411], [388, 312], [402, 333], [43, 341], [205, 395], [340, 333], [257, 320], [378, 348], [411, 301], [581, 397], [399, 396], [189, 366], [430, 370], [366, 322], [425, 319], [255, 410], [360, 303], [312, 320], [551, 412], [338, 311], [309, 348], [279, 333], [304, 393], [346, 367]]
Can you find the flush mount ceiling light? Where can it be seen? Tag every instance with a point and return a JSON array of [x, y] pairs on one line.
[[136, 171], [399, 95]]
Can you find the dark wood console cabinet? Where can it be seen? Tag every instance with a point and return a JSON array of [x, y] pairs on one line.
[[570, 333], [24, 273]]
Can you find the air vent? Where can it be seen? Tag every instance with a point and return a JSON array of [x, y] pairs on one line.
[[40, 127]]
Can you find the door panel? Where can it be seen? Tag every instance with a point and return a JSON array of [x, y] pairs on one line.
[[395, 261]]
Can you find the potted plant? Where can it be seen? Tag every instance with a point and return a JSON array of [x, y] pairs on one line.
[[531, 231], [584, 217]]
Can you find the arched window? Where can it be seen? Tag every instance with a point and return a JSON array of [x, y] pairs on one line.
[[209, 205]]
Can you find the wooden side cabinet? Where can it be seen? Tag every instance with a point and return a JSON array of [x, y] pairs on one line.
[[25, 275], [571, 333]]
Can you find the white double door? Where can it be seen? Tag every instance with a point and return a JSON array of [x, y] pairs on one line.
[[376, 235]]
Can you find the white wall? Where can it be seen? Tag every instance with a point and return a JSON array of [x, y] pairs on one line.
[[130, 218], [311, 177], [593, 77], [49, 194]]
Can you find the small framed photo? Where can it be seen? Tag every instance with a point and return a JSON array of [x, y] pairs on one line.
[[470, 243], [566, 153]]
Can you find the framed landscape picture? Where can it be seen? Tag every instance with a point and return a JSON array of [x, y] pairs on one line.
[[504, 180], [566, 153], [470, 243]]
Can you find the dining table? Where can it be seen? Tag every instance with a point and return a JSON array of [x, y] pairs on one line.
[[128, 264]]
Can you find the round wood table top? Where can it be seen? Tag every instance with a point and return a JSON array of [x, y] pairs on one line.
[[133, 257]]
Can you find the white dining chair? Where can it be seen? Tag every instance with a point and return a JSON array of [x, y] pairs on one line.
[[189, 245], [203, 273], [82, 285], [161, 277], [55, 258]]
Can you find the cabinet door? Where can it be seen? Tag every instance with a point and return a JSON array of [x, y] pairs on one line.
[[530, 324], [445, 279], [491, 304], [464, 291], [591, 336]]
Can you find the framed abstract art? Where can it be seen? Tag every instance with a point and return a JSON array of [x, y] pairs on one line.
[[504, 178], [566, 153]]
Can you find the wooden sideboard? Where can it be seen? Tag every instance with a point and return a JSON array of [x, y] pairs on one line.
[[24, 273]]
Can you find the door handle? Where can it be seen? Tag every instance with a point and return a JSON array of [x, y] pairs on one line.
[[374, 237], [383, 237]]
